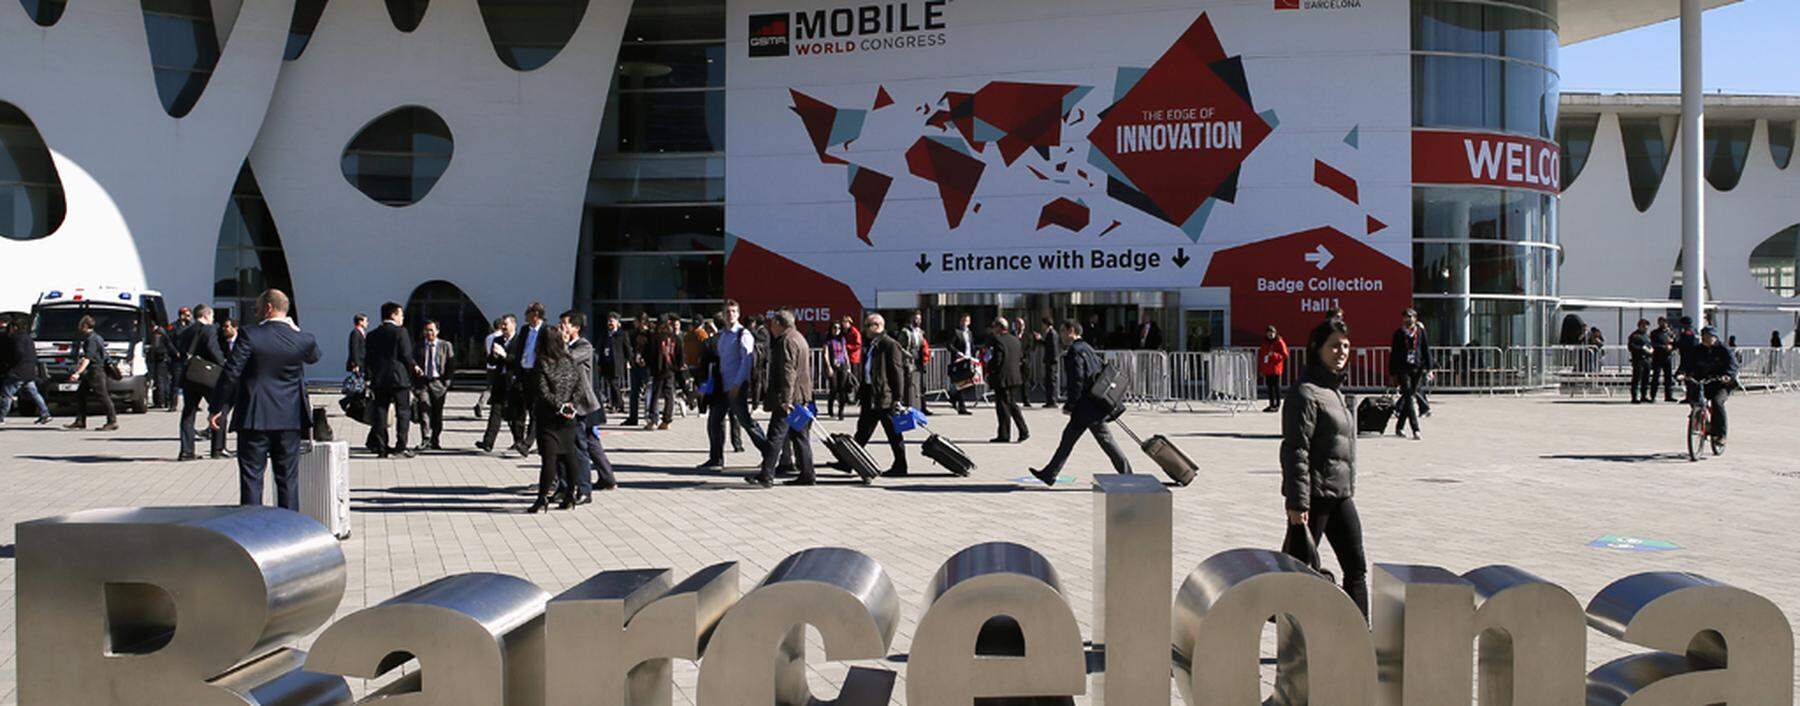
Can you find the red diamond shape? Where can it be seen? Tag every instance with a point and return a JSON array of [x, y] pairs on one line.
[[1187, 161]]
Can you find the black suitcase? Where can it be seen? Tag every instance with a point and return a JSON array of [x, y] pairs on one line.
[[851, 456], [1373, 414], [947, 454], [1174, 462]]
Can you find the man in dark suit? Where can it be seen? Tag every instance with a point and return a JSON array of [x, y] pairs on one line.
[[522, 355], [502, 407], [359, 344], [198, 342], [1087, 414], [1050, 346], [264, 384], [1149, 336], [391, 371], [1409, 363], [882, 391], [962, 353], [1006, 377], [613, 350], [436, 360]]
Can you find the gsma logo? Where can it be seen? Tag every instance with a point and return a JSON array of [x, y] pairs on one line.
[[1287, 4], [769, 34]]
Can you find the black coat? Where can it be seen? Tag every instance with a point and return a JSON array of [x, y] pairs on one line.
[[1080, 364], [1005, 369], [884, 384], [20, 357], [1318, 441], [359, 351], [1398, 360], [1051, 346], [264, 383], [203, 340], [390, 358]]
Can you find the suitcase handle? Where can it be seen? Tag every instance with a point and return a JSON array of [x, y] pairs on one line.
[[1129, 432]]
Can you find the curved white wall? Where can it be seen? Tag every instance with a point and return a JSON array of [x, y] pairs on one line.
[[145, 191], [503, 223], [1612, 250]]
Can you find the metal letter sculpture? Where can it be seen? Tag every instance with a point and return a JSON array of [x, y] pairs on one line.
[[1325, 653], [757, 656], [109, 615], [1133, 538], [1715, 644], [982, 585], [613, 639], [1427, 620], [479, 639]]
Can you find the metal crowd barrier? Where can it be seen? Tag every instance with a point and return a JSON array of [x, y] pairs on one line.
[[1225, 378]]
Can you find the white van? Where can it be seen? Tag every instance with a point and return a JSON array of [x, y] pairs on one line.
[[124, 317]]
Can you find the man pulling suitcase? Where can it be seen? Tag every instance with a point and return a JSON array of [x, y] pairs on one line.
[[1087, 413]]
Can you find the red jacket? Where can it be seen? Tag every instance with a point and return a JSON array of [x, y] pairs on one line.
[[853, 345], [1272, 358]]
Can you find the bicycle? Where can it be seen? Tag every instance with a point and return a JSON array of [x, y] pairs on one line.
[[1699, 425]]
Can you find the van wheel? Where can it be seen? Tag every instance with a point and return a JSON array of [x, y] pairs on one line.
[[140, 402]]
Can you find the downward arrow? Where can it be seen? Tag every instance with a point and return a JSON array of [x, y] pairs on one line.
[[1181, 259], [923, 264], [1321, 256]]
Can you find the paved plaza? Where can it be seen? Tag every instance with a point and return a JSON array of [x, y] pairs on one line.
[[1529, 481]]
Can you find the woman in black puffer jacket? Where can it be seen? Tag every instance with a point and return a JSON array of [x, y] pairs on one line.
[[1318, 457], [559, 395]]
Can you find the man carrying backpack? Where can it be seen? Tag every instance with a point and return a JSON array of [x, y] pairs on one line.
[[1087, 413]]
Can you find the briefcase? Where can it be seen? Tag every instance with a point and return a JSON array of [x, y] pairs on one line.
[[947, 454], [1109, 389], [202, 373], [1174, 462], [852, 457]]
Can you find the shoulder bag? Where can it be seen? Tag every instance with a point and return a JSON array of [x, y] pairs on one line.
[[201, 372]]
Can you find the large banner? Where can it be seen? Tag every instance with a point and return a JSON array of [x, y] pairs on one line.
[[1058, 145]]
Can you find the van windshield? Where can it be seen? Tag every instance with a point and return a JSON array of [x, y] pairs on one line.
[[116, 325]]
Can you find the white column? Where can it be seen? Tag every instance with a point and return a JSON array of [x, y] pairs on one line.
[[1693, 166]]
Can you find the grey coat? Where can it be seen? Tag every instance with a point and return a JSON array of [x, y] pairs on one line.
[[583, 352], [1318, 441]]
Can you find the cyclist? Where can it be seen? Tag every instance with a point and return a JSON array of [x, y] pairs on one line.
[[1708, 369]]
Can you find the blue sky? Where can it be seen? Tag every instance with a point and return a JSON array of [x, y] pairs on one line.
[[1750, 48]]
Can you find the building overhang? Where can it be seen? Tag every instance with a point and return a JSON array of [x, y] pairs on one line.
[[1581, 20]]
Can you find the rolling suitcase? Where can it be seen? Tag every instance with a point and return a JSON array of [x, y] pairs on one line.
[[325, 484], [852, 457], [1373, 414], [1174, 463], [947, 454]]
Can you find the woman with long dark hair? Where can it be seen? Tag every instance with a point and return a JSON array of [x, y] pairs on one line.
[[559, 391], [1318, 457]]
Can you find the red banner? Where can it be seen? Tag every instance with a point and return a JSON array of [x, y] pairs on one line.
[[1486, 159], [1290, 283]]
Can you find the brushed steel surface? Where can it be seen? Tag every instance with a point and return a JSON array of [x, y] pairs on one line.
[[975, 586], [108, 614], [479, 639], [757, 655], [612, 640], [1740, 644], [1324, 653], [1428, 621], [1133, 540]]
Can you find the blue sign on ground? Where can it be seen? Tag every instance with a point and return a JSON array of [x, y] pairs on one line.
[[1032, 480], [1633, 544]]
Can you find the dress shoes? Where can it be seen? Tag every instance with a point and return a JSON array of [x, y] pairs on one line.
[[75, 425], [895, 473], [218, 455], [186, 457], [409, 453], [110, 426], [1024, 438], [760, 481], [999, 440], [1048, 479], [800, 482], [485, 447]]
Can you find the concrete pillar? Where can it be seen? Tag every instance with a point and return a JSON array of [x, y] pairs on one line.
[[1693, 166]]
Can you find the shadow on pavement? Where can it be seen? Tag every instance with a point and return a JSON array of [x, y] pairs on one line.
[[1228, 435], [1620, 458], [96, 458]]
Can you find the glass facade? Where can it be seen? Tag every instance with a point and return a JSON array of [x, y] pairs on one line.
[[653, 228], [1727, 150], [1775, 262], [306, 19], [249, 258], [528, 33], [31, 195], [1781, 142], [44, 12], [184, 49], [459, 321], [1649, 142], [1484, 258], [399, 157], [1575, 136]]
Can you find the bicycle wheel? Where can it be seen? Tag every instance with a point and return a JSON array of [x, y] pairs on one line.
[[1696, 435]]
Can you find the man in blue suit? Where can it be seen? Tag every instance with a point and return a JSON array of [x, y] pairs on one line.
[[264, 386]]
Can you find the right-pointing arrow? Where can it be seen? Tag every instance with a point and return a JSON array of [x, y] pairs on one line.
[[1320, 256], [923, 264]]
